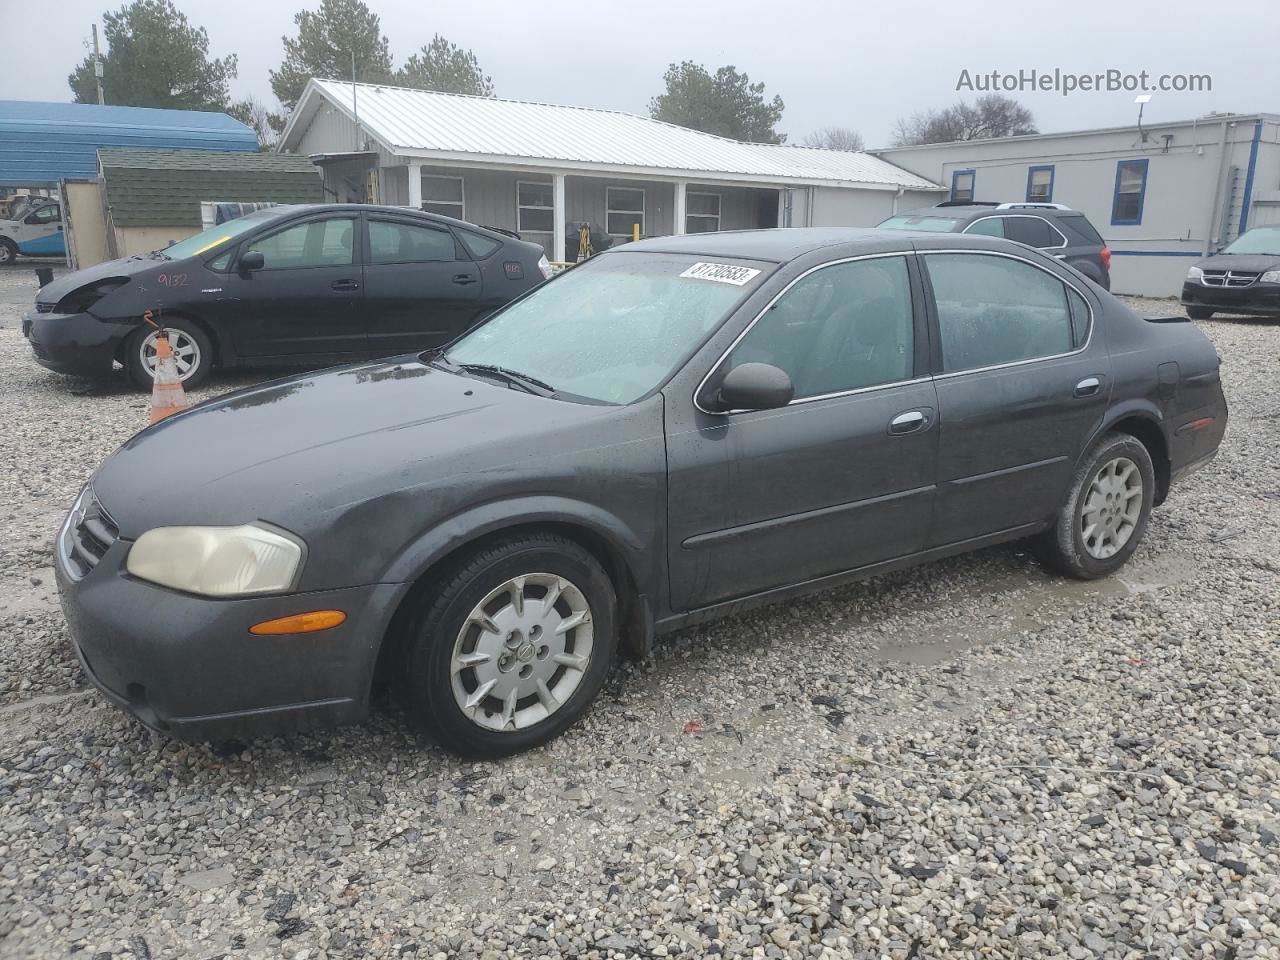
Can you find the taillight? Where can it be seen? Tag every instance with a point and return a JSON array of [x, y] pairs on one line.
[[1106, 258]]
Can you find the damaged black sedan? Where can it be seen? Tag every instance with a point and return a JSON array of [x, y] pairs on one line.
[[672, 431]]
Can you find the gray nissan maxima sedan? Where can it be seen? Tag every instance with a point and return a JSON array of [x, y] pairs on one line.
[[672, 431]]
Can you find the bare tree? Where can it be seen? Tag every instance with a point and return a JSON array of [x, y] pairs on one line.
[[266, 125], [836, 138], [988, 117]]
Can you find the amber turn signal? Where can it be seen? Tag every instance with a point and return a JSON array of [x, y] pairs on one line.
[[300, 623]]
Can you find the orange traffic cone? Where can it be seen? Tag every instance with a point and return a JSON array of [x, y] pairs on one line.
[[167, 395]]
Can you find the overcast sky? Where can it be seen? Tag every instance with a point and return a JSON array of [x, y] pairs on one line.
[[852, 64]]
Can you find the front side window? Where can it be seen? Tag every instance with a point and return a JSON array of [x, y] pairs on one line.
[[316, 243], [49, 213], [1040, 184], [993, 310], [613, 328], [443, 195], [391, 242], [702, 213], [962, 185], [625, 211], [1131, 188], [840, 328], [535, 212]]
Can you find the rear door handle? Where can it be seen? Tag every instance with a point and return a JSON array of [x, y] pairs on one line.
[[462, 279], [345, 285], [1088, 387], [908, 422]]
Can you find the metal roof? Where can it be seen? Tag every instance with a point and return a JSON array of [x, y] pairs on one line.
[[443, 126], [42, 143]]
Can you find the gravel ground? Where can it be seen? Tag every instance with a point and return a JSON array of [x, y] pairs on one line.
[[969, 759]]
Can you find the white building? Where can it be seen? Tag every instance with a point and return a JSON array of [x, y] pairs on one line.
[[534, 167], [1161, 197]]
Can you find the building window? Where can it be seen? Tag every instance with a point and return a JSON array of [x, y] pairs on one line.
[[535, 207], [1131, 190], [443, 195], [1040, 184], [624, 209], [702, 213], [962, 185]]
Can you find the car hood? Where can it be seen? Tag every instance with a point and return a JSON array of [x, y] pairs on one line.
[[301, 451], [68, 283], [1247, 262]]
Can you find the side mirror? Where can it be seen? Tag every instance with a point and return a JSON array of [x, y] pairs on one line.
[[754, 386], [253, 260]]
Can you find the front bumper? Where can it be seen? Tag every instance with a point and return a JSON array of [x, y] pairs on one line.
[[188, 667], [74, 343], [1258, 299]]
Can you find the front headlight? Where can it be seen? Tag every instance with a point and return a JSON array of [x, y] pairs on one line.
[[1195, 274], [1271, 276], [217, 561]]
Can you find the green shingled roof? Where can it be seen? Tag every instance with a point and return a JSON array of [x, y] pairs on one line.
[[164, 188]]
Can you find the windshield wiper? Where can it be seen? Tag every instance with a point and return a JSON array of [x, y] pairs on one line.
[[522, 380]]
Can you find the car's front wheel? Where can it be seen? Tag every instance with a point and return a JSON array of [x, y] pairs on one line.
[[8, 252], [192, 353], [1199, 313], [1106, 512], [512, 646]]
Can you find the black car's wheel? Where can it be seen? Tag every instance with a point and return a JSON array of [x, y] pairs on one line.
[[512, 646], [192, 353], [8, 252], [1199, 313], [1106, 512]]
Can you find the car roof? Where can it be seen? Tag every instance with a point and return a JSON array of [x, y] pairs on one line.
[[777, 244], [294, 209], [979, 210]]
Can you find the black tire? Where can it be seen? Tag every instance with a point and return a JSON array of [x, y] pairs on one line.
[[1199, 313], [427, 680], [1063, 546], [8, 252], [198, 374]]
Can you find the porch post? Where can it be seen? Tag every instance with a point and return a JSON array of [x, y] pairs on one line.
[[557, 212], [681, 198], [415, 186]]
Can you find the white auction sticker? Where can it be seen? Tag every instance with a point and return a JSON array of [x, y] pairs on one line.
[[721, 273]]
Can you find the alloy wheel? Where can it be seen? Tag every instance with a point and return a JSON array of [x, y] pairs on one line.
[[186, 352], [1112, 507], [522, 652]]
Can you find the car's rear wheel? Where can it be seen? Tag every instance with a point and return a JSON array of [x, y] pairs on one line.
[[1199, 313], [192, 353], [512, 646], [8, 252], [1106, 512]]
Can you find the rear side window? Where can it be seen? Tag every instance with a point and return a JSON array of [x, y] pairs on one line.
[[479, 245], [1079, 317], [1033, 231], [993, 310], [840, 328], [1079, 230], [987, 227], [393, 242]]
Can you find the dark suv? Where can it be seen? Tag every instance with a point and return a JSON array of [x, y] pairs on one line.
[[1057, 230]]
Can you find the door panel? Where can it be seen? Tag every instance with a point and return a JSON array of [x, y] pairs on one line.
[[1014, 348], [842, 477], [305, 303], [421, 289]]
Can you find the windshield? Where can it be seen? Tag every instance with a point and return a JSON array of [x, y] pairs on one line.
[[218, 234], [614, 328], [1264, 240], [928, 223]]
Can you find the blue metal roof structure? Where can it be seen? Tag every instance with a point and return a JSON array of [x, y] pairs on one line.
[[42, 143]]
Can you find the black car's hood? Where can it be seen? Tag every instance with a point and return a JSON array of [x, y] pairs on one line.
[[127, 267], [294, 450], [1248, 262]]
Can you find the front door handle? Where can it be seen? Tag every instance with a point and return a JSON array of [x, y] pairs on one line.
[[908, 422], [462, 279], [345, 285], [1088, 387]]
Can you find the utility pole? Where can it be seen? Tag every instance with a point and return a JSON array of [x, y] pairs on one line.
[[97, 66], [355, 107]]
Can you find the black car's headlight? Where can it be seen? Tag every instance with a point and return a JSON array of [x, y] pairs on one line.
[[82, 298], [217, 561], [1271, 276], [1195, 275]]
